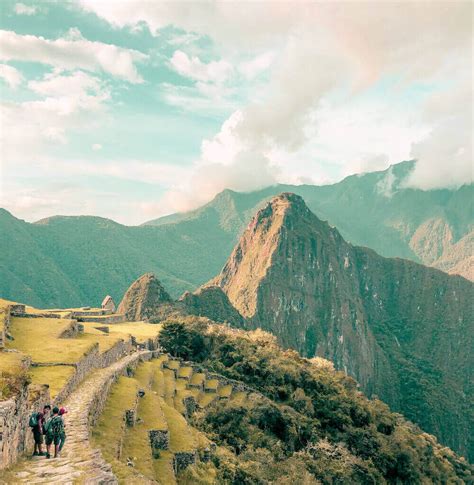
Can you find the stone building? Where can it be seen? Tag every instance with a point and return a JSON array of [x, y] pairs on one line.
[[108, 303]]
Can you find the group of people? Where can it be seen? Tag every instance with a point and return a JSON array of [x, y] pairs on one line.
[[48, 426]]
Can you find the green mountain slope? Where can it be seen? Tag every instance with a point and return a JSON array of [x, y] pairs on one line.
[[403, 330], [73, 261]]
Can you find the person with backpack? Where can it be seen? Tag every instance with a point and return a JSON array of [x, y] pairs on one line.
[[36, 423], [62, 412], [54, 428]]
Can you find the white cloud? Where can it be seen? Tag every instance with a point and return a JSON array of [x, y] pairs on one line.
[[202, 98], [22, 9], [444, 155], [66, 103], [72, 52], [96, 147], [309, 122], [257, 65], [194, 68], [10, 75]]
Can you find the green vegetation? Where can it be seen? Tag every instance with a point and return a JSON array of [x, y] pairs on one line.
[[39, 338], [121, 444], [55, 376], [108, 432], [312, 425], [13, 373], [73, 261]]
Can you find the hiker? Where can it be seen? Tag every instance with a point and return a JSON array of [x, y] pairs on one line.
[[62, 412], [37, 421], [54, 428]]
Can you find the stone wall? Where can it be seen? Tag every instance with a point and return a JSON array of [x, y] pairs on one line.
[[4, 325], [90, 313], [16, 437], [182, 459], [119, 350], [105, 320], [100, 397], [159, 439], [17, 309], [73, 330], [93, 360], [36, 315]]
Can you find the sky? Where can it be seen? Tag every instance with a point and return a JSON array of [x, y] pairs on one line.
[[132, 109]]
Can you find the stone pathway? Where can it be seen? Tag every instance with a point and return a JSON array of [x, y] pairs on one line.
[[79, 463]]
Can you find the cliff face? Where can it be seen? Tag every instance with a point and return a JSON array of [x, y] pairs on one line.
[[143, 300], [210, 302], [404, 331]]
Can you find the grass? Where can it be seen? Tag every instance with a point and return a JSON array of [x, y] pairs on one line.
[[180, 384], [211, 384], [195, 392], [136, 440], [38, 337], [11, 362], [178, 400], [106, 342], [163, 467], [136, 446], [140, 330], [108, 431], [158, 384], [197, 378], [238, 397], [205, 398], [55, 376], [174, 364], [144, 374], [185, 372], [156, 410], [181, 437], [225, 391], [170, 386], [13, 373]]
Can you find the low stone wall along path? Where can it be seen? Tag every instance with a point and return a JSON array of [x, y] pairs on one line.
[[79, 463]]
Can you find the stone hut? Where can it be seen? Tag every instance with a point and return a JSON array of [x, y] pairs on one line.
[[108, 304]]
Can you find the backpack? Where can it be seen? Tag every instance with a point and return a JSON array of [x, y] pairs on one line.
[[56, 426], [33, 420]]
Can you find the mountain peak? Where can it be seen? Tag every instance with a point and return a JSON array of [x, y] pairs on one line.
[[280, 221], [143, 298]]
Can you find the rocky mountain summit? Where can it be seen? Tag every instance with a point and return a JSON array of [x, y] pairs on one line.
[[403, 330], [144, 299]]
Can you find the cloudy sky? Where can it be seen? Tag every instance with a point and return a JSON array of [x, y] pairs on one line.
[[135, 109]]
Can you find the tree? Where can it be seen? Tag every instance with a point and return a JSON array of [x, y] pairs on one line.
[[175, 338]]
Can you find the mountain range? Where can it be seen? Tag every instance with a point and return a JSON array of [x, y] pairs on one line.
[[403, 330], [75, 260]]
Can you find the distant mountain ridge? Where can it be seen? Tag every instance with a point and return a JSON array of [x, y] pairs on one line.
[[67, 261], [403, 330], [374, 209]]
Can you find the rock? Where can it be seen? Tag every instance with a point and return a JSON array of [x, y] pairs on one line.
[[144, 298]]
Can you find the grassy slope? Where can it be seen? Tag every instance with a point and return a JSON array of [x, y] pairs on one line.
[[71, 261], [39, 337]]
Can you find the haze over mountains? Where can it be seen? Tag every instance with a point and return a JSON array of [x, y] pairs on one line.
[[71, 261]]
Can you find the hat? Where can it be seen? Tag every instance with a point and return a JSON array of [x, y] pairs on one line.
[[62, 411]]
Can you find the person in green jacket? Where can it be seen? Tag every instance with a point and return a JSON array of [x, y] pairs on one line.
[[62, 412], [54, 429]]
